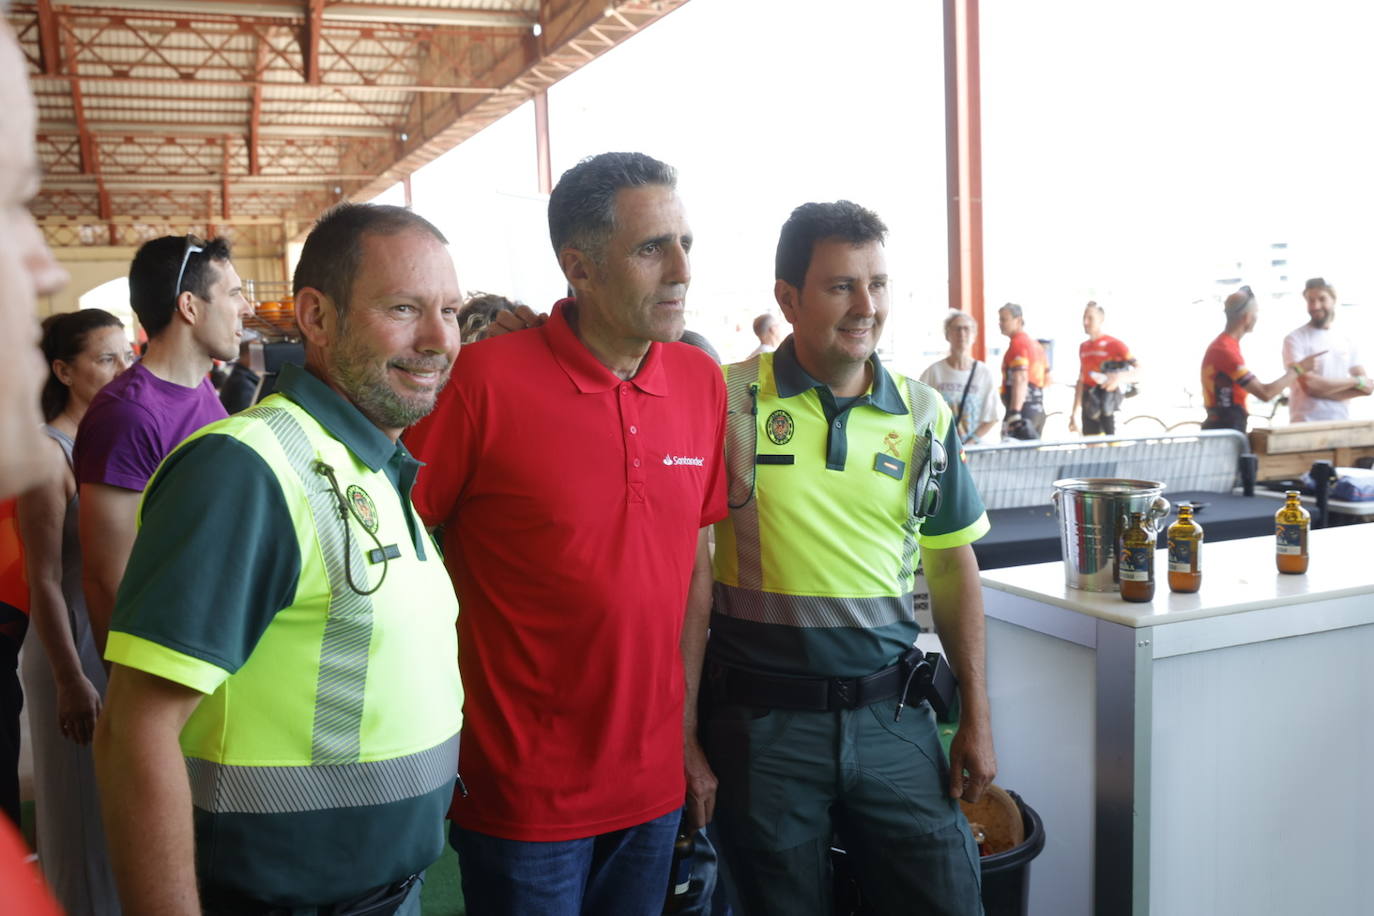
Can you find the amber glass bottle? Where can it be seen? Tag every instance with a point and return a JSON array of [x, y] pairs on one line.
[[679, 890], [1291, 524], [1185, 552], [1137, 566]]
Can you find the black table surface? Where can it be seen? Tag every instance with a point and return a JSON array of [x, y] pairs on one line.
[[1030, 534]]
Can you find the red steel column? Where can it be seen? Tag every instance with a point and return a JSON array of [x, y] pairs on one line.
[[964, 163]]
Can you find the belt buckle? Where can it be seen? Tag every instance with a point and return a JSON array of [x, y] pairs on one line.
[[843, 692]]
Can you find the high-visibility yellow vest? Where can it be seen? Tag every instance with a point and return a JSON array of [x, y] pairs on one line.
[[814, 563], [333, 750]]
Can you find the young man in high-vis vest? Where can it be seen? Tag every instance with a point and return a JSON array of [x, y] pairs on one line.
[[843, 478], [281, 728]]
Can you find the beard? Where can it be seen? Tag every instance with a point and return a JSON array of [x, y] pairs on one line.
[[363, 377]]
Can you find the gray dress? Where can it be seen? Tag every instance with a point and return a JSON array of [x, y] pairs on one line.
[[71, 841]]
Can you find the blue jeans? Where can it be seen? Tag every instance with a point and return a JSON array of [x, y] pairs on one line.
[[623, 873]]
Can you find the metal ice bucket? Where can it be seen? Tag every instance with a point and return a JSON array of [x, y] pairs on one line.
[[1093, 514]]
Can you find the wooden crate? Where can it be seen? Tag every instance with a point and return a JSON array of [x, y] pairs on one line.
[[1306, 437], [1288, 451]]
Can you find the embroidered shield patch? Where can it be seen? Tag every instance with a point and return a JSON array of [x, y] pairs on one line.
[[780, 427], [363, 507]]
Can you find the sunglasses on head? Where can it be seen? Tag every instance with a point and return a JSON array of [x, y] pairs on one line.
[[193, 245]]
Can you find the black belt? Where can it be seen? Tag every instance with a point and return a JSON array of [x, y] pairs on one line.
[[379, 901], [816, 694]]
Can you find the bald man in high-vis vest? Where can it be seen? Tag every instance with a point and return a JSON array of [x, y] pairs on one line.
[[281, 728]]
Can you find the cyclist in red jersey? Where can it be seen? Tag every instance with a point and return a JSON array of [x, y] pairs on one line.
[[1106, 367], [1225, 379], [1025, 374]]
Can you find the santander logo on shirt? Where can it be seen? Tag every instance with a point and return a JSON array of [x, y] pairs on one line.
[[677, 460]]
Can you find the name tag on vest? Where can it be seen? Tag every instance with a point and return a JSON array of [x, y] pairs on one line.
[[389, 552], [775, 459], [886, 464]]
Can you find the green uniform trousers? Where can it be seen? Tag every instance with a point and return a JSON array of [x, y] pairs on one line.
[[791, 780]]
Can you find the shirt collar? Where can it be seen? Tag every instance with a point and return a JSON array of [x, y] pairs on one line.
[[586, 371], [793, 380], [338, 415]]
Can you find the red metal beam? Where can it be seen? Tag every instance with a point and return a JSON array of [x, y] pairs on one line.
[[90, 163], [48, 41], [314, 24], [964, 164], [224, 185], [90, 155], [541, 141], [255, 107], [106, 212]]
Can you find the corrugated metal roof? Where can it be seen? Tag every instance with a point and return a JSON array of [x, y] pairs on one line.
[[159, 106]]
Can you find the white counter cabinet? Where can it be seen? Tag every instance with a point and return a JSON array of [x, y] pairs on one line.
[[1204, 754]]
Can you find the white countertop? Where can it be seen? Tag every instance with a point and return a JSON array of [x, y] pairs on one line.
[[1237, 575]]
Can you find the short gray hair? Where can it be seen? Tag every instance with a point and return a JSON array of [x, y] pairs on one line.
[[954, 315], [582, 205]]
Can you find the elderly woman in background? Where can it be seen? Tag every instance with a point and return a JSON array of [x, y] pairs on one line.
[[966, 384], [63, 676]]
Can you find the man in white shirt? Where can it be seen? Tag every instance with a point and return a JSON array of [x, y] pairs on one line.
[[768, 329], [1339, 374]]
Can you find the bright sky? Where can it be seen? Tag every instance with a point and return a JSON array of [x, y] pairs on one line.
[[1133, 154]]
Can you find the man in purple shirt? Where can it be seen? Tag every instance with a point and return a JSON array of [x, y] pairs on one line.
[[190, 302]]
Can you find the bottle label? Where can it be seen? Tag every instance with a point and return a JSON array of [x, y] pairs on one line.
[[1137, 564], [1182, 556], [1292, 539]]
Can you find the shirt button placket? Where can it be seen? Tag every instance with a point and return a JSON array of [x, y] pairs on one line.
[[634, 453]]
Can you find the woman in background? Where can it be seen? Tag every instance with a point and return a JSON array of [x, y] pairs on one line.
[[966, 384], [63, 675]]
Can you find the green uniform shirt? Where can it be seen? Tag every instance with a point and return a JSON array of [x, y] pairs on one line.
[[815, 566], [322, 758]]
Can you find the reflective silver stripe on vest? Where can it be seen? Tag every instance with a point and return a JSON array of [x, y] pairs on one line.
[[741, 446], [341, 685], [924, 409], [222, 788], [809, 610]]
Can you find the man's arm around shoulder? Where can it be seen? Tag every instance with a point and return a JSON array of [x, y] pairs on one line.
[[145, 795], [956, 600]]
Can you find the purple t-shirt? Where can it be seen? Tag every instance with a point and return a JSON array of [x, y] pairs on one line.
[[134, 422]]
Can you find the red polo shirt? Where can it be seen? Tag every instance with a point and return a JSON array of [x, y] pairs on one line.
[[1093, 353], [571, 502]]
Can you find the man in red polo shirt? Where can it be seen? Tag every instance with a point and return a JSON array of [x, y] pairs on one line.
[[573, 468], [1106, 366]]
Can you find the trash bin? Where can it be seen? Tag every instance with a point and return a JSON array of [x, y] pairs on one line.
[[1006, 875]]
